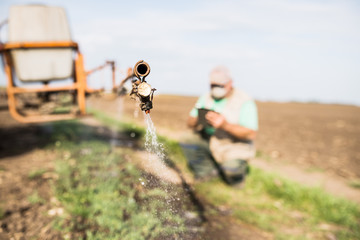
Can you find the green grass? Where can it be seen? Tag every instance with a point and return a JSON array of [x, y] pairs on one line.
[[311, 200], [36, 173], [102, 194], [355, 184], [62, 109], [2, 213], [123, 126], [314, 169], [278, 205], [34, 198]]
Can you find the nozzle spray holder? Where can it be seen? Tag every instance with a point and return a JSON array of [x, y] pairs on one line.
[[140, 88]]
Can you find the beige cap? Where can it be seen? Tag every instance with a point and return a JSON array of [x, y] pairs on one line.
[[220, 75]]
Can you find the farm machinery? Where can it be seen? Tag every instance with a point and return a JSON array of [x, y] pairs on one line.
[[44, 68]]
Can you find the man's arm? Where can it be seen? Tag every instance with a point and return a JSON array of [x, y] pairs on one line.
[[192, 121], [219, 122]]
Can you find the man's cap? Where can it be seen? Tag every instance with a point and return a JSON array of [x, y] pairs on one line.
[[220, 75]]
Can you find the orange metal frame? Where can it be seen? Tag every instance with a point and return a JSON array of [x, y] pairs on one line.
[[112, 64], [79, 84]]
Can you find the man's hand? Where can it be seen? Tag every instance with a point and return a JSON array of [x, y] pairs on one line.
[[215, 119], [218, 121]]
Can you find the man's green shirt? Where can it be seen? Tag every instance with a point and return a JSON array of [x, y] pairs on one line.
[[248, 116]]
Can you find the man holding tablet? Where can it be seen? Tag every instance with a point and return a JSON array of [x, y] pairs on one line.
[[227, 118]]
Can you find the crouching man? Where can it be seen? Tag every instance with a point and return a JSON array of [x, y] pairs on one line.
[[227, 118]]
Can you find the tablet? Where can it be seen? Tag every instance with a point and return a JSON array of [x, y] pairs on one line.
[[201, 117]]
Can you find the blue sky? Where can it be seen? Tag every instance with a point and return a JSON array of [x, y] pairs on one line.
[[277, 50]]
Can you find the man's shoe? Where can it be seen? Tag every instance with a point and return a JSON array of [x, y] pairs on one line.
[[235, 172]]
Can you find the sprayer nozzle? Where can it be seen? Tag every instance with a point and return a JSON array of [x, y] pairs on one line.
[[141, 88], [141, 69]]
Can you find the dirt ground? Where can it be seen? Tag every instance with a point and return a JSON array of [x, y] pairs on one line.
[[315, 139], [26, 201]]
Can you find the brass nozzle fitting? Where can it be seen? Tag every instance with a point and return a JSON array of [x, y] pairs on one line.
[[141, 69]]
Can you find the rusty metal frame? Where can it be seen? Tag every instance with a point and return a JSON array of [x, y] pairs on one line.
[[79, 85], [107, 63]]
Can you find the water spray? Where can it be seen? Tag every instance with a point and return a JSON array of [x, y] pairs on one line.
[[140, 88]]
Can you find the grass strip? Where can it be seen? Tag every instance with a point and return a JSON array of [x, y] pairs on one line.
[[101, 192], [288, 209]]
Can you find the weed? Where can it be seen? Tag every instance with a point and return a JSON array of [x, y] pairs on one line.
[[355, 184], [314, 169], [263, 155], [34, 198], [36, 173], [2, 213]]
